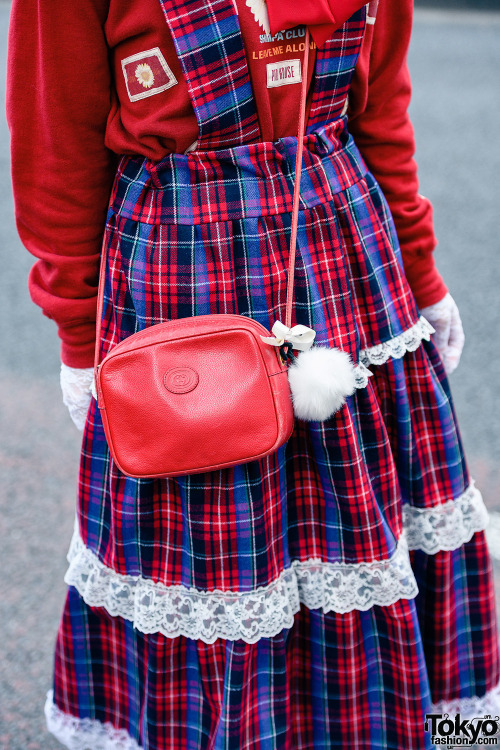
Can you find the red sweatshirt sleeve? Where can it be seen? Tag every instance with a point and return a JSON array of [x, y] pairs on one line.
[[381, 127], [58, 99]]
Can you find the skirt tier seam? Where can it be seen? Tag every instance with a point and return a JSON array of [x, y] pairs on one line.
[[265, 611]]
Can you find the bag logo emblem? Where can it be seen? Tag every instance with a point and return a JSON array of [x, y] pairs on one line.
[[180, 379], [147, 73]]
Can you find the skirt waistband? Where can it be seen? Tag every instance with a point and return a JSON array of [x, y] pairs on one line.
[[230, 184]]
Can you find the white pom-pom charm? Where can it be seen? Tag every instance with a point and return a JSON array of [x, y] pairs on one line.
[[320, 381], [320, 378]]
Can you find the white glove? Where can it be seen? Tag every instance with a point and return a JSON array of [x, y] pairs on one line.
[[76, 383], [449, 337]]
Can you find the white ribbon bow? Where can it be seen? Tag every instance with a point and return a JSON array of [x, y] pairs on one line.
[[300, 336]]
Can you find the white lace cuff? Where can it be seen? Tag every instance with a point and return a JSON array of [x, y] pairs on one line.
[[493, 535], [76, 385]]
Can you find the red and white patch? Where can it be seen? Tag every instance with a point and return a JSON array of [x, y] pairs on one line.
[[283, 73], [147, 73]]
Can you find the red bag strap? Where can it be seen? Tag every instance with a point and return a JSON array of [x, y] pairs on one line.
[[100, 303], [295, 215], [296, 190]]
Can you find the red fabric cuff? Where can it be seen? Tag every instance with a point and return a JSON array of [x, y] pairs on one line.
[[425, 281], [77, 344]]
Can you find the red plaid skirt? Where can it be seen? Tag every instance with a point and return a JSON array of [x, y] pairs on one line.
[[275, 604]]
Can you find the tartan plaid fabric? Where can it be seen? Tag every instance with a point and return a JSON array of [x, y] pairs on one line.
[[210, 47], [455, 609], [357, 680], [222, 220], [328, 682], [335, 63], [208, 232]]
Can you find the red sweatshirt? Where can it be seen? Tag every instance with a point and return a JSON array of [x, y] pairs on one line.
[[90, 80]]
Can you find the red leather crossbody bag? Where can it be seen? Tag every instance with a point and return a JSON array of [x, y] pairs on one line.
[[201, 393]]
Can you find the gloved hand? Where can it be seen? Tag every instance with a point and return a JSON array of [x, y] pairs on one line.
[[75, 384], [449, 337]]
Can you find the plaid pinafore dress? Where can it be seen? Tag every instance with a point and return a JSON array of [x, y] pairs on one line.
[[328, 595]]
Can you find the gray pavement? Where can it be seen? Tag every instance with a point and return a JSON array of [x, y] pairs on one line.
[[455, 64]]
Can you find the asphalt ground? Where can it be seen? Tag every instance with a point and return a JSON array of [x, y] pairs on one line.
[[455, 64], [460, 4]]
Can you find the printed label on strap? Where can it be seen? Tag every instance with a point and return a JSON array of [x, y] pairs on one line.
[[283, 73], [371, 11], [147, 73]]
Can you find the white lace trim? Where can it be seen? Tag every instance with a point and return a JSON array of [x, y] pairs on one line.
[[361, 374], [261, 613], [407, 341], [487, 704], [265, 611], [446, 526], [91, 734], [85, 734]]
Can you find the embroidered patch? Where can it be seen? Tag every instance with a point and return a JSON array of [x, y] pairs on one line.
[[147, 73], [283, 73]]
